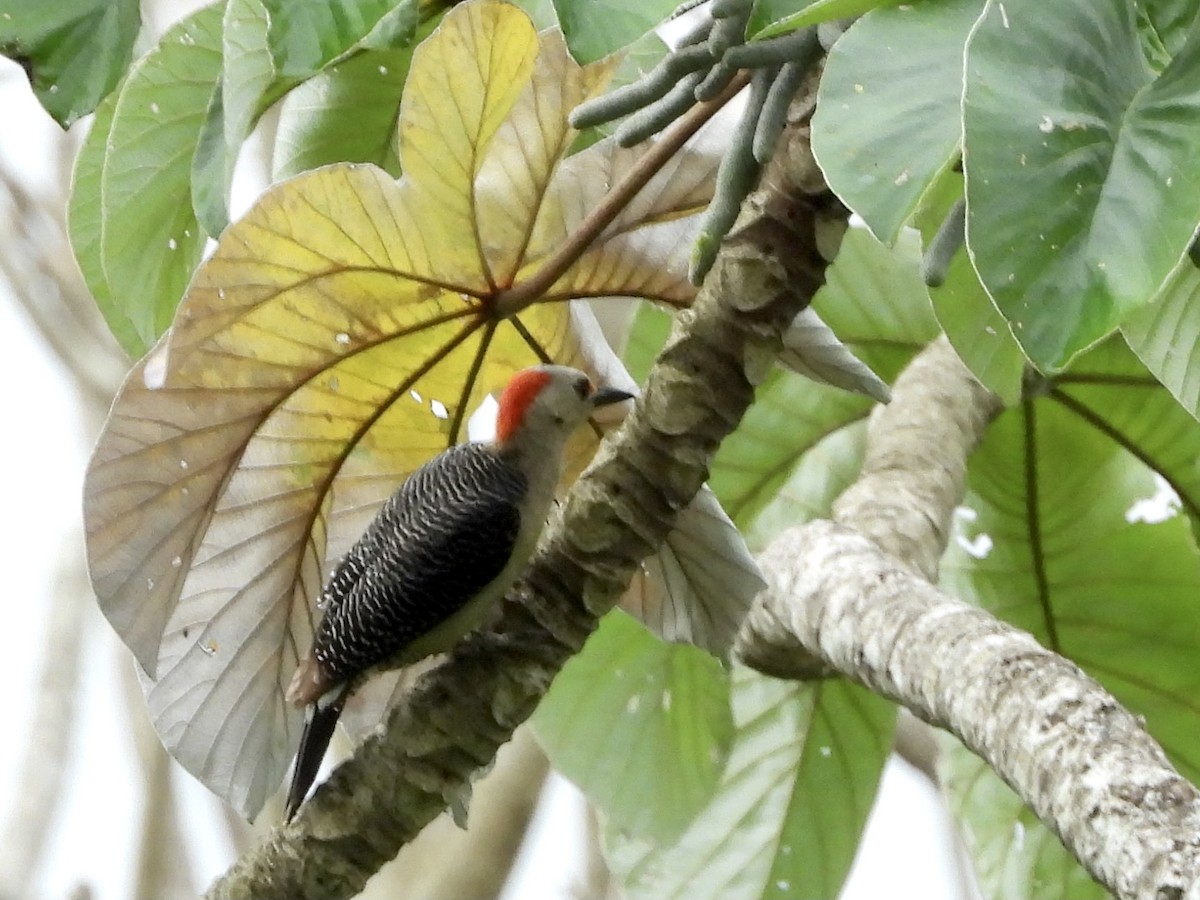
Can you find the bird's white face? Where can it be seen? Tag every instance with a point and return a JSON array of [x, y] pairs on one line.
[[546, 403], [566, 400]]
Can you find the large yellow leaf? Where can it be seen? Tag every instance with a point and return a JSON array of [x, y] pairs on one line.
[[338, 337], [651, 227]]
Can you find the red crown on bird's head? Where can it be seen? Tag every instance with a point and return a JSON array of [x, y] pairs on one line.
[[520, 392]]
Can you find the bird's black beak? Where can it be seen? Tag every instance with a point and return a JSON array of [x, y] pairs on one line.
[[606, 396]]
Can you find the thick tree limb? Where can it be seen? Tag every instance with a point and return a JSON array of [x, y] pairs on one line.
[[1084, 764], [446, 862], [1080, 761], [915, 469], [912, 477], [622, 507]]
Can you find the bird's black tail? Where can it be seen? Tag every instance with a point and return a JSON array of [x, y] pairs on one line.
[[319, 723]]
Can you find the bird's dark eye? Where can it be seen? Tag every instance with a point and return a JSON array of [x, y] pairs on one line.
[[583, 387]]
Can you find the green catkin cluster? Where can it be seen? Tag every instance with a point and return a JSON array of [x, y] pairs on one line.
[[829, 32], [782, 90], [735, 179], [647, 122], [709, 56], [800, 46], [945, 244], [691, 56]]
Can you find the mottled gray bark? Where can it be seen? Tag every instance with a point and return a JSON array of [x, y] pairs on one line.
[[842, 601], [446, 862], [915, 468]]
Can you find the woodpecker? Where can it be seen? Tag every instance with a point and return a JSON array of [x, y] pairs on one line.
[[446, 545]]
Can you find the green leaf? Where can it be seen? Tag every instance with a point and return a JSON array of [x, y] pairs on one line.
[[594, 30], [347, 113], [975, 328], [1110, 389], [775, 17], [1170, 21], [1071, 537], [1013, 853], [397, 26], [823, 473], [1166, 336], [84, 219], [249, 69], [790, 809], [1065, 167], [212, 171], [888, 119], [150, 240], [247, 75], [74, 51], [305, 37], [978, 332], [270, 47], [646, 338], [540, 11], [641, 726], [792, 414]]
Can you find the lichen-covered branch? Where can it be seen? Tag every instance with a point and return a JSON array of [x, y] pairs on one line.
[[853, 597], [462, 711], [1082, 763], [912, 477], [915, 468]]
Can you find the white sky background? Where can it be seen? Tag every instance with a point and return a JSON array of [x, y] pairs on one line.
[[41, 470], [41, 474]]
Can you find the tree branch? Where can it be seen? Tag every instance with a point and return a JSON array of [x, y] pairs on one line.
[[40, 270], [915, 468], [28, 825], [458, 715], [446, 862], [1084, 764], [912, 477]]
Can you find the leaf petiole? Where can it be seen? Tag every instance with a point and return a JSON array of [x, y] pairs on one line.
[[514, 299]]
